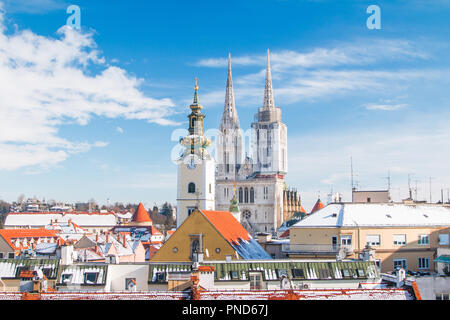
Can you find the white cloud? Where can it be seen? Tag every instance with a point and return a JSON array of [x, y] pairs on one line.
[[119, 129], [46, 83], [385, 107]]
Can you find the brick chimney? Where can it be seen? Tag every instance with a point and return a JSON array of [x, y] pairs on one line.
[[96, 237], [124, 241], [107, 237]]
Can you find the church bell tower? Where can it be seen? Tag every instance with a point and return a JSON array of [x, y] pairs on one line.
[[196, 167]]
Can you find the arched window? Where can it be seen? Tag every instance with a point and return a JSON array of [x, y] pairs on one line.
[[240, 195], [246, 195], [252, 195], [191, 187]]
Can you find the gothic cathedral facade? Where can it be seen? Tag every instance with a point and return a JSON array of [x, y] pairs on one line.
[[259, 179]]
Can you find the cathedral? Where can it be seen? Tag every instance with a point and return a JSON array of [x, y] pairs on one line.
[[257, 177], [249, 184]]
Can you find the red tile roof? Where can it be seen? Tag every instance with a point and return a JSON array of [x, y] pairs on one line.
[[285, 234], [9, 234], [303, 210], [141, 215], [227, 225], [319, 205]]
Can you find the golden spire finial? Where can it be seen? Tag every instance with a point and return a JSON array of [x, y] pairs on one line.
[[196, 91]]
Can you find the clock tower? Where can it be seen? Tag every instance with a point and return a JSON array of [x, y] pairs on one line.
[[196, 167]]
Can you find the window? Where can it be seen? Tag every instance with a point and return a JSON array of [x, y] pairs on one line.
[[282, 272], [424, 239], [346, 240], [444, 239], [255, 281], [241, 195], [378, 264], [210, 188], [424, 263], [297, 274], [20, 269], [66, 277], [47, 272], [191, 187], [369, 200], [234, 275], [175, 249], [361, 273], [160, 277], [252, 195], [346, 273], [373, 240], [443, 296], [399, 263], [130, 284], [399, 239], [325, 274], [247, 214], [1, 255], [246, 195], [266, 193], [190, 210], [90, 277]]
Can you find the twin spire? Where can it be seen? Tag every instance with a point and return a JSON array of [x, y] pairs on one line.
[[230, 112]]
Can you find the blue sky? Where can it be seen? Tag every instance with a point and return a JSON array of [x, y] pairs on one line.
[[98, 122]]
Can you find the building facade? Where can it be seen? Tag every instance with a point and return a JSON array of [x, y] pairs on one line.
[[401, 235], [259, 175], [196, 168]]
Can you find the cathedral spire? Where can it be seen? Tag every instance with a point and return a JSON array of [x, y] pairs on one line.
[[229, 112], [268, 91]]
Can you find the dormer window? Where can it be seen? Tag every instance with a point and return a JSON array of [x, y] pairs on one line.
[[90, 277]]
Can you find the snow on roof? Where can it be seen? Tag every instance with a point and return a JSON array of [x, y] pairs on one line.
[[376, 214], [8, 268], [41, 219], [76, 275], [236, 235]]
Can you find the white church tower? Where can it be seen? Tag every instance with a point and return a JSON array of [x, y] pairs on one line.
[[229, 138], [196, 167], [269, 134]]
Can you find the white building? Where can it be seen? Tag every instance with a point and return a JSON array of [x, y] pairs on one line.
[[91, 221], [196, 167], [259, 179]]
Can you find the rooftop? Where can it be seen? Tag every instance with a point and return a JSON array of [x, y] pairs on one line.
[[376, 214]]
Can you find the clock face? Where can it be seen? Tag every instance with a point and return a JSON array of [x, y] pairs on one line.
[[191, 163]]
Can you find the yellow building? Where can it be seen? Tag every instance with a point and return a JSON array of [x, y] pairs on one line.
[[401, 235], [210, 235]]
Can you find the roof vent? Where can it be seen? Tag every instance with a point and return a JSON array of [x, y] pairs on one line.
[[425, 215], [334, 215], [389, 216]]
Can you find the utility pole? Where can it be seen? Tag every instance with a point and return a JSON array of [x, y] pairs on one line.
[[430, 189]]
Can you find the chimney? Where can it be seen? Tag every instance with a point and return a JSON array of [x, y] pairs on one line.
[[124, 241], [107, 237], [96, 237]]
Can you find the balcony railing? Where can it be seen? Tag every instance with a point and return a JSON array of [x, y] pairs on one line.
[[315, 248]]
